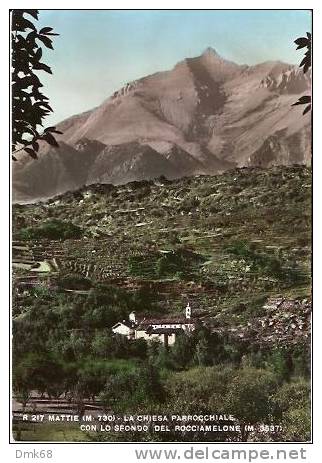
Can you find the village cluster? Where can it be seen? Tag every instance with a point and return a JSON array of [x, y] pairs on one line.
[[163, 330]]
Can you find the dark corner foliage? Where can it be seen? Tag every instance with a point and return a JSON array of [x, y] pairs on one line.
[[305, 42], [29, 105]]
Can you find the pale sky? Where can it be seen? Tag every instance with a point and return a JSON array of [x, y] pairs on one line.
[[98, 51]]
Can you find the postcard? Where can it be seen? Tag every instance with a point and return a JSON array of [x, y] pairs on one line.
[[161, 226]]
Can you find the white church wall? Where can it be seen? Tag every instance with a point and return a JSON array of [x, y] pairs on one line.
[[122, 329]]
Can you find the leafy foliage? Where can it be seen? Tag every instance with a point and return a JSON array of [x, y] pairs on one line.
[[305, 42], [292, 407], [76, 282], [63, 344], [38, 371], [128, 390], [264, 263], [179, 262], [51, 229], [232, 259], [29, 105], [249, 397]]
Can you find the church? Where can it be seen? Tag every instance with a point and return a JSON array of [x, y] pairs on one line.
[[163, 330]]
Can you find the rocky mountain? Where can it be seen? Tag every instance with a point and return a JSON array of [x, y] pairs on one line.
[[204, 116]]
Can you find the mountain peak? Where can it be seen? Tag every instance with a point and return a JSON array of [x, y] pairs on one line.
[[208, 107], [210, 51]]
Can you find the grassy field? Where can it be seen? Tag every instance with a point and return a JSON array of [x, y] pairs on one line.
[[51, 432]]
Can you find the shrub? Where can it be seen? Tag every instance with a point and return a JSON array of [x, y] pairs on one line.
[[180, 262], [128, 390], [74, 282], [53, 229], [190, 204], [292, 407], [264, 263]]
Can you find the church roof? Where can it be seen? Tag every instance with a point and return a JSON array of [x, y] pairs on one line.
[[126, 323], [166, 321], [163, 330]]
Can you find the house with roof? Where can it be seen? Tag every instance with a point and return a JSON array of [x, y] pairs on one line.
[[164, 330], [124, 328]]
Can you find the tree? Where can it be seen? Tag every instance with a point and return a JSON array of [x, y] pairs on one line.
[[128, 390], [51, 229], [250, 397], [183, 350], [305, 42], [29, 105], [292, 409], [38, 372]]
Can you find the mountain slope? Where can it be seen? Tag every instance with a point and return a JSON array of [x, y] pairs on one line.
[[204, 116]]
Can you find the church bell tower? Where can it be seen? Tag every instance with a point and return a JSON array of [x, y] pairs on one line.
[[188, 311]]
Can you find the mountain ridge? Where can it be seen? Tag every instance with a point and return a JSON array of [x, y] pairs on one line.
[[211, 113]]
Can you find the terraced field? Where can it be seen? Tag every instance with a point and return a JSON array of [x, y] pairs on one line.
[[225, 243]]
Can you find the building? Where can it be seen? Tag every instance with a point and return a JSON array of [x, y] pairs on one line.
[[163, 330], [125, 328]]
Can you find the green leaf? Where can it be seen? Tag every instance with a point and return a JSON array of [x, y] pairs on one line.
[[35, 145], [303, 100], [25, 24], [38, 54], [42, 67], [46, 41], [46, 105], [301, 42], [50, 139], [33, 13], [44, 30], [53, 130], [31, 36], [31, 153]]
